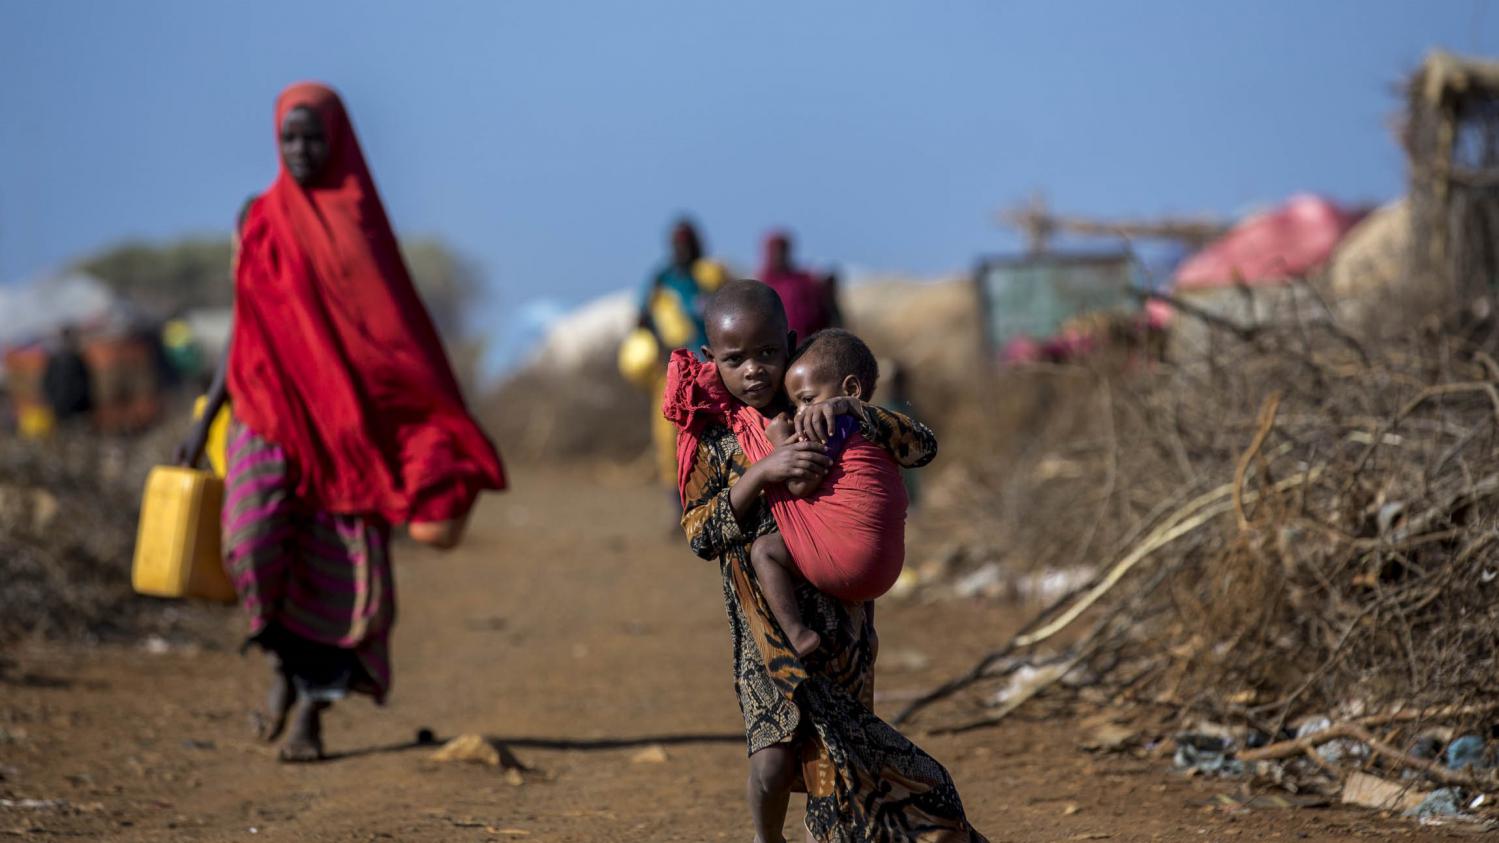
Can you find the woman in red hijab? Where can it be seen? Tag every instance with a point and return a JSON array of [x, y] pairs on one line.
[[347, 419]]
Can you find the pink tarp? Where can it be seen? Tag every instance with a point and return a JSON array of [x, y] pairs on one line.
[[1269, 247]]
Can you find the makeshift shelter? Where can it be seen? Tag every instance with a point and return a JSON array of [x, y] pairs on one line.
[[1243, 276], [1452, 138], [1269, 248]]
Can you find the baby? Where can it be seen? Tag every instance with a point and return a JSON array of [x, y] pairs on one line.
[[847, 531]]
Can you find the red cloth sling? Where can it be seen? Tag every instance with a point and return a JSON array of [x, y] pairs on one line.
[[848, 538], [334, 357]]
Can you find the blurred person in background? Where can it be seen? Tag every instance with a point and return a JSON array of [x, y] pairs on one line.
[[671, 307], [811, 303], [347, 419], [65, 381]]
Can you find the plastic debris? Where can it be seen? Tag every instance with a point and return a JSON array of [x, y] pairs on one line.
[[653, 754], [1466, 752], [1439, 803], [987, 581], [473, 749], [1338, 751], [1206, 754], [1369, 791], [1426, 748], [1025, 680]]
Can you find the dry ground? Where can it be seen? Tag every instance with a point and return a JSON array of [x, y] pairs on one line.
[[577, 629]]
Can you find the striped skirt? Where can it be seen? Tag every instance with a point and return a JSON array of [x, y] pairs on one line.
[[316, 586]]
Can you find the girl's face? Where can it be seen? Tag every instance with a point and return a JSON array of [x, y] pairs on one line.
[[750, 354], [304, 145]]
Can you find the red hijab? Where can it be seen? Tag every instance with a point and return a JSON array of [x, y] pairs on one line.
[[804, 297], [334, 357]]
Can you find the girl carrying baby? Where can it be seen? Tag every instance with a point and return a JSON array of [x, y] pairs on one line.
[[809, 724]]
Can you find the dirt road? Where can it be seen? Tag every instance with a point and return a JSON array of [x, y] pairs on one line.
[[575, 628]]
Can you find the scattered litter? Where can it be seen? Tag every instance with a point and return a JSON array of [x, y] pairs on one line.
[[156, 645], [1426, 748], [1108, 736], [1026, 678], [1337, 751], [1206, 754], [1048, 585], [1465, 752], [1236, 802], [986, 581], [1369, 791], [653, 754], [34, 804], [1443, 802], [472, 749]]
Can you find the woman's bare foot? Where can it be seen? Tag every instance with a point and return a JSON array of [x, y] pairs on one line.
[[305, 743], [270, 723]]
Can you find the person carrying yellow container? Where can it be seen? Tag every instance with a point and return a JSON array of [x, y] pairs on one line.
[[671, 313], [347, 422]]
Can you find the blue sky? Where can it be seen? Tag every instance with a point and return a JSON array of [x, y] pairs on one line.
[[553, 142]]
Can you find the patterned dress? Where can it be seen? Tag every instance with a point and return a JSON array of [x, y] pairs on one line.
[[317, 586], [865, 781]]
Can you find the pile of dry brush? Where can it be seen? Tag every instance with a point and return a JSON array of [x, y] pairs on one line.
[[1298, 522], [68, 510]]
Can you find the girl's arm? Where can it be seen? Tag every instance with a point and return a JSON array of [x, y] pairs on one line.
[[719, 510], [708, 516], [910, 442]]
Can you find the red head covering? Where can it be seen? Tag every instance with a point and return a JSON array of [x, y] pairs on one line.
[[334, 357]]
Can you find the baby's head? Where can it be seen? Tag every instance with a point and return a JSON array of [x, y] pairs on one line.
[[748, 341], [831, 364]]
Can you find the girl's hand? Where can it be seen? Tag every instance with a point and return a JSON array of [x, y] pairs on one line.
[[781, 430], [818, 421], [801, 460]]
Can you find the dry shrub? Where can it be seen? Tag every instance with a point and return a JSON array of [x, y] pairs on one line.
[[1302, 522], [588, 413], [68, 510]]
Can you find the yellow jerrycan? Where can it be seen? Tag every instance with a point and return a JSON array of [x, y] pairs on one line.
[[640, 358], [177, 545]]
